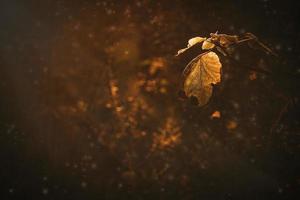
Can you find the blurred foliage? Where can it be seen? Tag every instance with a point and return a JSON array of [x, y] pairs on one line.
[[95, 88]]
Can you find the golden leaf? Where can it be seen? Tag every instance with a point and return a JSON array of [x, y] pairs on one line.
[[200, 74], [191, 42], [195, 40], [207, 45]]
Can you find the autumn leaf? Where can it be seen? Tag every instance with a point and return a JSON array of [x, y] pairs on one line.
[[225, 40], [204, 70], [200, 74], [207, 44], [191, 42]]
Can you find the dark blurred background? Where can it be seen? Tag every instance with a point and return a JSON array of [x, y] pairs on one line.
[[89, 105]]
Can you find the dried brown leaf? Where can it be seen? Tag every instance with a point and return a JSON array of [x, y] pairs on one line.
[[200, 74]]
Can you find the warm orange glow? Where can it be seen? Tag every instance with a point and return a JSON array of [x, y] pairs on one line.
[[231, 125], [253, 75], [215, 115], [156, 65]]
